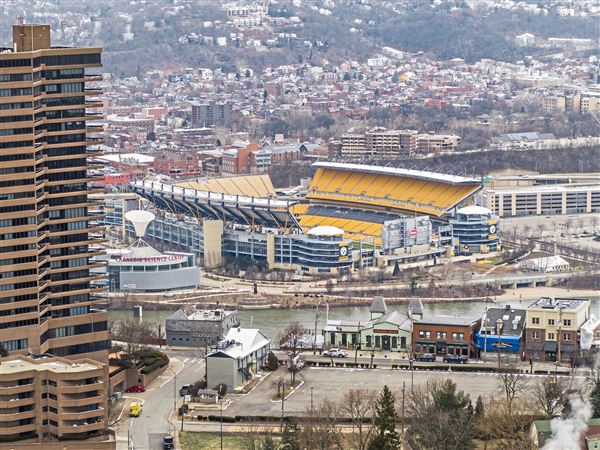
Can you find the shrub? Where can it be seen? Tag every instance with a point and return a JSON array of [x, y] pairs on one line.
[[272, 362], [152, 367], [200, 384], [221, 388]]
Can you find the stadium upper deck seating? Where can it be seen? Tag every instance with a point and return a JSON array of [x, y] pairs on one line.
[[250, 185], [392, 189]]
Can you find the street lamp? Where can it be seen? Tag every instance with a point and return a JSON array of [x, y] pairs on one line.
[[283, 406], [174, 394], [499, 324], [486, 322], [221, 423]]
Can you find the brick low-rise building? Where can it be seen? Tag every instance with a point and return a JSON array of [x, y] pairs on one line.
[[444, 335], [185, 164]]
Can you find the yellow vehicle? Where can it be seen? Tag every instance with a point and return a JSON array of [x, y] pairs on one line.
[[135, 408]]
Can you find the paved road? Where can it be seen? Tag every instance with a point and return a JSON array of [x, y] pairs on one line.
[[147, 431]]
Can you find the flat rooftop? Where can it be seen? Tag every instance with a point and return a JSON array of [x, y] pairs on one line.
[[45, 364], [545, 188], [460, 321], [566, 304], [211, 314]]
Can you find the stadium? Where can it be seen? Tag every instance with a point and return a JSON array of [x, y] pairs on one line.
[[349, 216]]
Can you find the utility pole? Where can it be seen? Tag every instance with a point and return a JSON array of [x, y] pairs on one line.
[[316, 322], [283, 407], [174, 391], [403, 395], [311, 399], [221, 424], [560, 313], [499, 323]]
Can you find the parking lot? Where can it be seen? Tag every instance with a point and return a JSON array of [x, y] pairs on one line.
[[329, 383]]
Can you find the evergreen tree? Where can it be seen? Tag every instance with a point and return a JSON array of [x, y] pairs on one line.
[[386, 437], [289, 436], [268, 444], [396, 272], [567, 409], [272, 362], [446, 399], [595, 397], [479, 408]]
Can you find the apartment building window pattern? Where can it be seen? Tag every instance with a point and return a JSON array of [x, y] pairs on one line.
[[567, 322], [535, 335], [550, 321], [14, 345], [550, 336], [59, 90], [535, 320], [423, 334], [458, 336]]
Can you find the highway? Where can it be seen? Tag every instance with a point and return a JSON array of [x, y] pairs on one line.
[[146, 432]]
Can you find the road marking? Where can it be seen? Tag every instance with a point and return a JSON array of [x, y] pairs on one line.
[[186, 360], [171, 377]]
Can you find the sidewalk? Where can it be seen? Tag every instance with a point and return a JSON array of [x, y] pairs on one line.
[[387, 359]]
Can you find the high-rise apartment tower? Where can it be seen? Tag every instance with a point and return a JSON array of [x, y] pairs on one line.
[[47, 230]]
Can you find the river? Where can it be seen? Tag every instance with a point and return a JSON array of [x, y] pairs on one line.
[[272, 321]]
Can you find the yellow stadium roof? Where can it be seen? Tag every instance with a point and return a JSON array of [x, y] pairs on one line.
[[248, 185], [389, 188]]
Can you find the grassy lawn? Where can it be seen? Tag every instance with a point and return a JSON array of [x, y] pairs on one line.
[[209, 441]]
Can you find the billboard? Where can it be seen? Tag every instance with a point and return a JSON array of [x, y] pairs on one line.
[[405, 232]]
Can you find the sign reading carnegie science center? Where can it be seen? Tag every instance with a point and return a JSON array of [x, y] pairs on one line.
[[163, 258]]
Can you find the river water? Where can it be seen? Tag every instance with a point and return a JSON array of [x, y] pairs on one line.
[[272, 321]]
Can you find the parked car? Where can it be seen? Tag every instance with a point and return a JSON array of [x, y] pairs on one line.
[[455, 359], [185, 389], [335, 353], [137, 388], [426, 357], [135, 408], [168, 442]]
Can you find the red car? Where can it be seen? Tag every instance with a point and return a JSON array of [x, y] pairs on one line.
[[137, 388]]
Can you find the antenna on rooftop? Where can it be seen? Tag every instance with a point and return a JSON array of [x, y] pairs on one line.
[[20, 18]]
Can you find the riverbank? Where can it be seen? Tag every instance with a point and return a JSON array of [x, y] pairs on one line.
[[250, 302]]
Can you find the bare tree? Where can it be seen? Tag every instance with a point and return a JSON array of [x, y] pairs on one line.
[[507, 431], [320, 430], [292, 340], [279, 384], [253, 435], [358, 404], [511, 384], [549, 396], [137, 335]]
